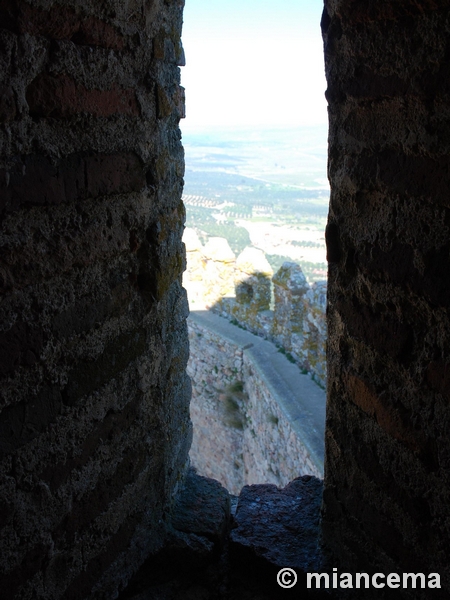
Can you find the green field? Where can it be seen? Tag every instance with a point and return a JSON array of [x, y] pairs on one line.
[[276, 176]]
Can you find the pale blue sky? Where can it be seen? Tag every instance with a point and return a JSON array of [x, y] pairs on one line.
[[253, 62]]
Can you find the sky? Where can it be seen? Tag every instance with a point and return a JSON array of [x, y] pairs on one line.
[[253, 62]]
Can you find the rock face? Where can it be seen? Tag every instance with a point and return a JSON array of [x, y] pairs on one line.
[[387, 485], [94, 421]]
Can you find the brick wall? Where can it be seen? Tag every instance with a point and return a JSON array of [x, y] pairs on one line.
[[94, 424], [387, 472]]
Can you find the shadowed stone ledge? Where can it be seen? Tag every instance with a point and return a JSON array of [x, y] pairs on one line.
[[280, 526], [202, 560]]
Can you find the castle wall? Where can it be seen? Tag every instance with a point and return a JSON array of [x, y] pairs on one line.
[[387, 472], [94, 426], [216, 367], [94, 423], [242, 431], [241, 289]]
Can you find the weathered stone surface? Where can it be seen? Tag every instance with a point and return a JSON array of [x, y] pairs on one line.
[[191, 560], [202, 508], [252, 261], [218, 249], [241, 291], [281, 526], [187, 568], [252, 283], [290, 277], [219, 266], [61, 96], [94, 398], [255, 416], [387, 486]]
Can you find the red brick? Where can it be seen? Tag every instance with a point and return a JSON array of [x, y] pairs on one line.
[[113, 174], [395, 172], [179, 101], [163, 102], [397, 264], [159, 45], [63, 22], [332, 238], [387, 417], [59, 23], [94, 32], [34, 180], [368, 84], [61, 96]]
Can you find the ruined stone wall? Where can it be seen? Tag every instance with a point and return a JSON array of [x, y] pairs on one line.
[[241, 289], [94, 424], [242, 435], [387, 472]]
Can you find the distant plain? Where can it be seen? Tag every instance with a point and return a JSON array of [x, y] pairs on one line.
[[262, 187]]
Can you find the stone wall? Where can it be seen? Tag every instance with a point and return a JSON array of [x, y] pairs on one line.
[[94, 423], [94, 427], [243, 289], [242, 434], [387, 483]]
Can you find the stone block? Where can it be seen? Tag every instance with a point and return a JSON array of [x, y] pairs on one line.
[[280, 527], [383, 331], [65, 23], [202, 508], [61, 96], [95, 32], [290, 277], [35, 180], [113, 174]]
